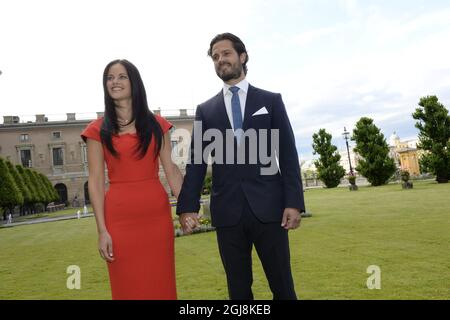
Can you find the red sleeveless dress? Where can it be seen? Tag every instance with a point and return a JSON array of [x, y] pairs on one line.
[[138, 218]]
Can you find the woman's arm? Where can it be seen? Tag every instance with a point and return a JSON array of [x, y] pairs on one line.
[[96, 186], [173, 173]]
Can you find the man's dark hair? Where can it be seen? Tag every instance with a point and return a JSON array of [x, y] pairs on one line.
[[238, 45]]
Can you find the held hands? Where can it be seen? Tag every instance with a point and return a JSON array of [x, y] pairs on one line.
[[291, 218], [105, 246], [189, 222]]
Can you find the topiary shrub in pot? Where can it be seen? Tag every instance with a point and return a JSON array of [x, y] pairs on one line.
[[352, 181], [406, 184]]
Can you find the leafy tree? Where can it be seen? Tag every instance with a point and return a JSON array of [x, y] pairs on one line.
[[328, 168], [207, 185], [375, 165], [28, 183], [48, 185], [10, 195], [434, 137], [40, 195], [47, 196], [27, 198]]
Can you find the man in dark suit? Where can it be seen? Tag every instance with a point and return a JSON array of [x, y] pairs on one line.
[[251, 204]]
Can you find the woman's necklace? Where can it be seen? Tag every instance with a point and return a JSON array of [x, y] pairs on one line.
[[123, 122]]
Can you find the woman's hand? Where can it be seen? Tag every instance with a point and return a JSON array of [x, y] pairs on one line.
[[105, 246], [189, 222], [173, 174]]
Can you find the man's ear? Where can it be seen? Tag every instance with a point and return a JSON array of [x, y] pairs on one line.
[[243, 57]]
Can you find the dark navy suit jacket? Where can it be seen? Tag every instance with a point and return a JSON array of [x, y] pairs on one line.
[[233, 184]]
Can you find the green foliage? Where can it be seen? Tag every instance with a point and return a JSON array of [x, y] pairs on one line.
[[328, 168], [405, 175], [375, 165], [352, 179], [27, 198], [10, 195], [47, 196], [434, 137], [207, 185], [40, 195], [309, 174], [28, 183], [51, 190], [406, 184]]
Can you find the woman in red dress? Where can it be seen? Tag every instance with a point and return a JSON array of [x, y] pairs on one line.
[[134, 220]]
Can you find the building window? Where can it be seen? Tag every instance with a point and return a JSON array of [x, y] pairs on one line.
[[58, 157], [56, 135], [24, 137], [84, 153], [174, 144], [25, 158]]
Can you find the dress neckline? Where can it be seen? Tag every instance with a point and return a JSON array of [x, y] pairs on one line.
[[126, 134]]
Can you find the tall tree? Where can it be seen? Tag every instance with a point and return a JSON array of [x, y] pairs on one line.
[[27, 198], [29, 184], [434, 137], [48, 185], [40, 195], [47, 196], [375, 165], [328, 168], [10, 195]]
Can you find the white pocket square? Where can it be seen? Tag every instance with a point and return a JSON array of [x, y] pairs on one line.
[[263, 110]]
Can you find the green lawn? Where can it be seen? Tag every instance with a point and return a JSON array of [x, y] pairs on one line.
[[65, 213], [46, 214], [404, 232]]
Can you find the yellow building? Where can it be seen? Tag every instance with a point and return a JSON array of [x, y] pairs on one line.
[[409, 161], [405, 154]]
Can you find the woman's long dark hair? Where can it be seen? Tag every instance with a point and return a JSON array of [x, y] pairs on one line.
[[145, 121]]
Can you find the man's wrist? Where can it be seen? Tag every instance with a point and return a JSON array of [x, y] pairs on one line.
[[296, 209]]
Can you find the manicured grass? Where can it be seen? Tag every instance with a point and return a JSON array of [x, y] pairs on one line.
[[47, 214], [71, 212], [404, 232]]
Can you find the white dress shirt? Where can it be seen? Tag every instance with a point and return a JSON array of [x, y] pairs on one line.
[[227, 94]]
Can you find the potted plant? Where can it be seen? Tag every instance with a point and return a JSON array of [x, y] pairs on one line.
[[406, 184], [352, 180]]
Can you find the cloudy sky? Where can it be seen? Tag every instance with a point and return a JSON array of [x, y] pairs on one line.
[[334, 61]]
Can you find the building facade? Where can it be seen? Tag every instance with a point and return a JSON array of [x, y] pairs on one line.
[[406, 154], [56, 149]]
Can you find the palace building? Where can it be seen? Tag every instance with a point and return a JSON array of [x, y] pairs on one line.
[[406, 154], [56, 149]]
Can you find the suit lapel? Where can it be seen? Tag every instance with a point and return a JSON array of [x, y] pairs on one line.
[[250, 108]]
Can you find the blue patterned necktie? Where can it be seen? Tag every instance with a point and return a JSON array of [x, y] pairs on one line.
[[236, 111]]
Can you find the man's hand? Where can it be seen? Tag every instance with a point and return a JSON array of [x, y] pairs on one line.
[[189, 222], [291, 218]]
